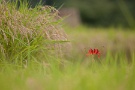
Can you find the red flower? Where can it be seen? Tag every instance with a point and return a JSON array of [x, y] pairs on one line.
[[93, 52]]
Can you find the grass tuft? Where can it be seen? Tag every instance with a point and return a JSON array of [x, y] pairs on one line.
[[27, 33]]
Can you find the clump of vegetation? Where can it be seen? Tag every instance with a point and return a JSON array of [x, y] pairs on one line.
[[29, 33]]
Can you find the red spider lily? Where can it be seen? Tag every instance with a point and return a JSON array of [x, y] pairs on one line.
[[93, 52]]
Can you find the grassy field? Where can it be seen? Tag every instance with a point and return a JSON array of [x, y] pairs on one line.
[[111, 73], [32, 60]]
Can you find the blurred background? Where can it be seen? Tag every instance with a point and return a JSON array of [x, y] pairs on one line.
[[103, 13]]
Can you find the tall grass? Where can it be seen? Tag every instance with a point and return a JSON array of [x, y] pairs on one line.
[[29, 33]]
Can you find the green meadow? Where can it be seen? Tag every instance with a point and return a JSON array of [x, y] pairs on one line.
[[37, 52]]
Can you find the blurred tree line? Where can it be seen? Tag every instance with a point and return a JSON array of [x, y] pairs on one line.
[[99, 12], [106, 12]]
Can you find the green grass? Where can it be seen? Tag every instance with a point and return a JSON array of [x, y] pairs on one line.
[[29, 61], [79, 75]]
